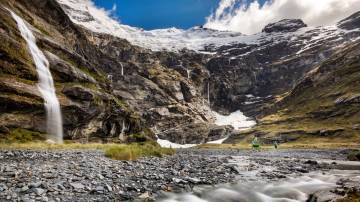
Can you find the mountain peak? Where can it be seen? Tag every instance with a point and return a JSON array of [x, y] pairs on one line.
[[285, 25]]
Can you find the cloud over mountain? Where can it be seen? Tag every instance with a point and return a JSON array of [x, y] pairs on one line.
[[249, 18]]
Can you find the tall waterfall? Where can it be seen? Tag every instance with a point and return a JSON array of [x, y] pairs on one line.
[[45, 84]]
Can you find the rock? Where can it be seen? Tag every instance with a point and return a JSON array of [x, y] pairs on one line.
[[176, 180], [79, 93], [233, 168], [100, 189], [39, 191], [101, 177], [124, 196], [4, 129], [24, 188], [145, 195], [352, 22], [67, 72], [311, 162], [219, 132], [193, 180], [35, 184], [108, 187], [77, 185], [286, 25]]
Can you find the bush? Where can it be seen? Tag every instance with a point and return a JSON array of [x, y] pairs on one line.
[[354, 156], [137, 150], [138, 137], [20, 135]]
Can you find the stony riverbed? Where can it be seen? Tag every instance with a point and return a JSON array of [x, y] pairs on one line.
[[89, 176]]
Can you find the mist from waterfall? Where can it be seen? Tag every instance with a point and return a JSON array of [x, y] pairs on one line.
[[45, 83]]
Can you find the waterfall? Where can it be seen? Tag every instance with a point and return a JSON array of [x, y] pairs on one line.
[[123, 129], [208, 92], [45, 83], [188, 71], [122, 69]]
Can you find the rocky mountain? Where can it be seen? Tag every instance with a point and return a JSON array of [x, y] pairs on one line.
[[108, 88], [247, 76], [323, 106], [119, 83]]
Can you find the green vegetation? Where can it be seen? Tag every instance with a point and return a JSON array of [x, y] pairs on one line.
[[20, 135], [41, 28], [137, 150], [352, 196], [138, 137], [25, 139], [354, 156], [312, 114], [16, 60]]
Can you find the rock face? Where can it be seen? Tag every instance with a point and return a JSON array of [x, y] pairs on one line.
[[109, 88], [106, 86], [350, 23], [323, 105], [286, 25], [248, 76]]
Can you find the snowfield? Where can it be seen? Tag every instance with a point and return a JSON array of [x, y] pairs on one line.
[[85, 13]]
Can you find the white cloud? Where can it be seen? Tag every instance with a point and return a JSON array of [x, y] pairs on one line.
[[236, 15], [114, 7]]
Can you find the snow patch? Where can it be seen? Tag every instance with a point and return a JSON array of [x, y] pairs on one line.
[[168, 144], [236, 119]]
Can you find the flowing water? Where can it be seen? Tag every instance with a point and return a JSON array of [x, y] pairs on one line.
[[291, 189], [122, 69], [45, 84], [188, 71], [208, 93]]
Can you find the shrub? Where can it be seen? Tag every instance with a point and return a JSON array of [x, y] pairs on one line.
[[354, 156], [137, 150], [20, 135]]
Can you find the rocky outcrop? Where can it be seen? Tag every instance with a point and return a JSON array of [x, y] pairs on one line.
[[323, 107], [350, 23], [286, 25]]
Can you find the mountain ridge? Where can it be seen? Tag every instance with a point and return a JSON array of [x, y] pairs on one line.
[[112, 90]]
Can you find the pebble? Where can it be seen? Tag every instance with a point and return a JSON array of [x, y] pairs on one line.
[[39, 191], [89, 176], [77, 185]]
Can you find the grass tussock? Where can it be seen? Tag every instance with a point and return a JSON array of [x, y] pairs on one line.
[[20, 135], [137, 150], [354, 156]]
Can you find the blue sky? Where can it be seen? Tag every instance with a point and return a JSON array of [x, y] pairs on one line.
[[154, 14]]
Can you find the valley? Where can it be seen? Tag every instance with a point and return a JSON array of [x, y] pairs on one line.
[[95, 110]]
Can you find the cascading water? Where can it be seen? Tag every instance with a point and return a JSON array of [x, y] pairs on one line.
[[122, 69], [45, 84], [123, 129], [188, 71], [208, 93]]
